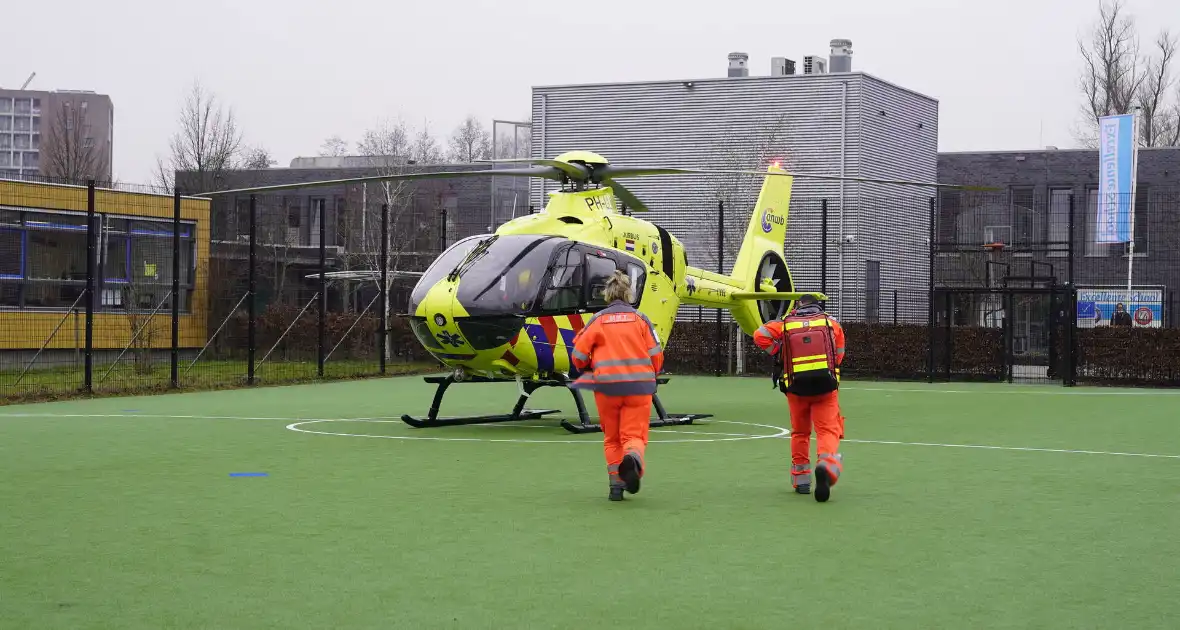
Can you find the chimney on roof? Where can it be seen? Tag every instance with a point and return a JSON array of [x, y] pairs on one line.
[[737, 64], [841, 58]]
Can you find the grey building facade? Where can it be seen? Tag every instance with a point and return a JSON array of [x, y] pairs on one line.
[[32, 120], [851, 124], [1040, 195], [1030, 213]]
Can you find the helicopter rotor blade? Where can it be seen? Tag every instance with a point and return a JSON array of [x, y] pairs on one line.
[[573, 171], [544, 172], [627, 196], [617, 172]]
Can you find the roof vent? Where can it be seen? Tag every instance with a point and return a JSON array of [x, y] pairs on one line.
[[841, 57], [738, 64]]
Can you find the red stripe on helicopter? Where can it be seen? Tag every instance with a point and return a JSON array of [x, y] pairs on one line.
[[549, 325], [576, 323], [508, 356]]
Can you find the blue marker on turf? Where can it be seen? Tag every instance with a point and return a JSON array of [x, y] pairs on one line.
[[248, 474]]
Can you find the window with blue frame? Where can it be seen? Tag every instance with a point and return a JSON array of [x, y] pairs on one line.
[[43, 261]]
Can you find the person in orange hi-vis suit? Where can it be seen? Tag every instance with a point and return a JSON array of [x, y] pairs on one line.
[[808, 346], [619, 355]]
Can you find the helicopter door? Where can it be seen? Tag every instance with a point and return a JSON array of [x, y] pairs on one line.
[[599, 269], [563, 293]]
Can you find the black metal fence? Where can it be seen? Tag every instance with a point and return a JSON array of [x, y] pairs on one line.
[[106, 290]]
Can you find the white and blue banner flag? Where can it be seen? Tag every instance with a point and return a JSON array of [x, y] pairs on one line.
[[1116, 177]]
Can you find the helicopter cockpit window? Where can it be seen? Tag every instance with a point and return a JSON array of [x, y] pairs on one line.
[[564, 293], [507, 277], [637, 275], [599, 270], [441, 267]]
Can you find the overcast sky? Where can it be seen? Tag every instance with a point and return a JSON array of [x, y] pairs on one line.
[[296, 71]]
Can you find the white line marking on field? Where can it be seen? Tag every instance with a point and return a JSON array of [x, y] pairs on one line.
[[1013, 448], [1015, 389], [781, 432]]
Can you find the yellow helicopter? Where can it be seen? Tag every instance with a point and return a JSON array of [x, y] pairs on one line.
[[506, 306]]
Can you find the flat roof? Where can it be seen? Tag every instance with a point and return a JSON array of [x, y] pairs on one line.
[[1027, 151], [796, 77]]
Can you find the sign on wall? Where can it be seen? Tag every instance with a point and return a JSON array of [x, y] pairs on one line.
[[1097, 306], [1116, 178]]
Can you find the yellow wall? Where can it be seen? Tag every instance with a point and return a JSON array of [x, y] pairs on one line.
[[25, 328]]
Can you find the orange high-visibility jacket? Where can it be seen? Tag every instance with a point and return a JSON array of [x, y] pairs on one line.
[[618, 352], [769, 337]]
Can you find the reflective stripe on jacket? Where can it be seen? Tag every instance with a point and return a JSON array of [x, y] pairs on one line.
[[618, 352]]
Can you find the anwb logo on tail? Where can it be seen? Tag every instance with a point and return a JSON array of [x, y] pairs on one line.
[[769, 220]]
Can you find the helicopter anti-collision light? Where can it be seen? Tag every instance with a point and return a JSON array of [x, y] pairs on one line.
[[439, 319]]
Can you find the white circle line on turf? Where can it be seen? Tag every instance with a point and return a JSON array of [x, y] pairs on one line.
[[782, 433], [295, 426]]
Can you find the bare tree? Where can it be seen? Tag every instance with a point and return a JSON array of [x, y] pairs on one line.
[[257, 158], [1160, 119], [425, 149], [68, 151], [207, 145], [1116, 78], [334, 147], [470, 141], [752, 150], [387, 146]]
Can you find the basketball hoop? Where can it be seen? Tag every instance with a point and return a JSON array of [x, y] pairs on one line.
[[994, 247]]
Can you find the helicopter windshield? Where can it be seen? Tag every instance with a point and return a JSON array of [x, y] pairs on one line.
[[442, 266], [506, 278]]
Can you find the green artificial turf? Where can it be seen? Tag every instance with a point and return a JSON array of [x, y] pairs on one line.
[[120, 513]]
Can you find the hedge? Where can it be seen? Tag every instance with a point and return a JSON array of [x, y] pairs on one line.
[[1129, 356]]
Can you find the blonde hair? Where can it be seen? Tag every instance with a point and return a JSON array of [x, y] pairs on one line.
[[618, 287]]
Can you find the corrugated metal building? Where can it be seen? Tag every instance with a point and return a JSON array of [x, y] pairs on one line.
[[849, 123]]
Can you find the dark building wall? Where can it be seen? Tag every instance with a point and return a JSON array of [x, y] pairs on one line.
[[1031, 214], [466, 199]]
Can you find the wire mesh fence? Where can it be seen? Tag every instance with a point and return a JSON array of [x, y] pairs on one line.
[[108, 290]]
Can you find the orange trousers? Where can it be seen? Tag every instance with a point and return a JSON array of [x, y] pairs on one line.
[[624, 421], [821, 413]]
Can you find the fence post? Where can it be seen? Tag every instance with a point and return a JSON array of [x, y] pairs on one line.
[[175, 358], [323, 297], [930, 298], [895, 307], [251, 308], [1070, 378], [720, 270], [1069, 261], [91, 247], [823, 247], [382, 330], [442, 232]]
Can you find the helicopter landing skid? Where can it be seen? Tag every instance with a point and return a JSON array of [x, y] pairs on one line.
[[583, 425], [663, 418], [518, 412]]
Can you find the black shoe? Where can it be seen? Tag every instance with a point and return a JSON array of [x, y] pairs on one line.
[[616, 493], [823, 484], [629, 472], [803, 488]]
